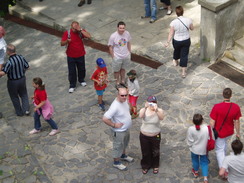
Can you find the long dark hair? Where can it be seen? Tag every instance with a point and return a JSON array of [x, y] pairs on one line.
[[38, 81]]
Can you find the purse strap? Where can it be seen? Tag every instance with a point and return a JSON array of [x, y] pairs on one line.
[[183, 24], [209, 132], [225, 118]]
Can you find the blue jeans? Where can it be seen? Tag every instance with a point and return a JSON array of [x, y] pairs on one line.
[[203, 160], [76, 65], [150, 8], [37, 121]]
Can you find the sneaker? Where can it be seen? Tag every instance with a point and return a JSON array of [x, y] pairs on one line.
[[127, 158], [101, 106], [163, 8], [120, 166], [54, 132], [205, 180], [81, 3], [27, 113], [169, 12], [143, 17], [34, 131], [152, 21], [83, 83], [195, 173], [71, 90], [89, 1]]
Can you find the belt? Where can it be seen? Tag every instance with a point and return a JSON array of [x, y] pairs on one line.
[[15, 79]]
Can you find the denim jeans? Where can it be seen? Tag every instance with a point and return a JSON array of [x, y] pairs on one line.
[[37, 121], [150, 8], [76, 65], [202, 160]]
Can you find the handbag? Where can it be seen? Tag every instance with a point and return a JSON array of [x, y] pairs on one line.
[[216, 133], [211, 141]]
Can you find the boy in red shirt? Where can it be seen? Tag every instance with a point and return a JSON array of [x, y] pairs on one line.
[[100, 81]]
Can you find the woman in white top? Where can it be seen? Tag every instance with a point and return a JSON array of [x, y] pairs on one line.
[[197, 139], [179, 31], [150, 135]]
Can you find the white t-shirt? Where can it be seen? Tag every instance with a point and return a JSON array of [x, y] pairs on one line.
[[197, 140], [119, 112], [2, 50], [235, 166], [134, 87], [181, 32], [119, 44]]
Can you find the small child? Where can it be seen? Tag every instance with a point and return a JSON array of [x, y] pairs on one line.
[[42, 107], [100, 78], [197, 139], [134, 88]]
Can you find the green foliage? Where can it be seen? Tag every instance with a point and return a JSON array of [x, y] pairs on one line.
[[1, 172]]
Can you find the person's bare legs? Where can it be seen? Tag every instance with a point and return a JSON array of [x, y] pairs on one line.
[[116, 77], [183, 72], [122, 76]]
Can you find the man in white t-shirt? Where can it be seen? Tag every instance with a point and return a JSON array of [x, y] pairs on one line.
[[120, 50], [234, 164], [3, 46], [119, 118]]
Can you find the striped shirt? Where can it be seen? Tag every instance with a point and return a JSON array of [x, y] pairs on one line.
[[15, 67]]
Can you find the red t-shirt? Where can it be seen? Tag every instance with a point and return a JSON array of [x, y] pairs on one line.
[[219, 113], [75, 48], [39, 96], [100, 75]]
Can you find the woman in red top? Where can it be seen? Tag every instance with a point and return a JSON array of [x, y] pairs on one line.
[[42, 107]]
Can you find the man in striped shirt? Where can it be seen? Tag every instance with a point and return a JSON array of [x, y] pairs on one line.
[[15, 69]]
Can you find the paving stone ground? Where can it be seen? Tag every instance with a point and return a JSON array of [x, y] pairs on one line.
[[81, 153]]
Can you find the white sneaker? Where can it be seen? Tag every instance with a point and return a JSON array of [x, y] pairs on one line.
[[27, 113], [54, 132], [34, 131], [120, 166], [83, 83], [71, 90], [128, 159]]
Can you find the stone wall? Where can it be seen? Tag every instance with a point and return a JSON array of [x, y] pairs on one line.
[[221, 25]]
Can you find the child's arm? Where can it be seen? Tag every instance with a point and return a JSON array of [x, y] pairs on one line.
[[39, 105]]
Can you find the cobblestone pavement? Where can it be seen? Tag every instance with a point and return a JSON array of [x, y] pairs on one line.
[[82, 151]]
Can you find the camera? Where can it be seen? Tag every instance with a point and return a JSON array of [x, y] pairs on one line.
[[152, 104]]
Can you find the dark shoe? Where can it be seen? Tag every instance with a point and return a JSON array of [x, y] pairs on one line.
[[40, 0], [81, 3], [143, 17], [89, 1]]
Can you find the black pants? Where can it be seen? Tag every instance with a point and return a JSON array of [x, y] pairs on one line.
[[76, 65], [150, 148], [181, 51], [17, 90]]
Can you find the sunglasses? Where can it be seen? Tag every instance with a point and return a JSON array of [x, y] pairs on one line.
[[123, 95]]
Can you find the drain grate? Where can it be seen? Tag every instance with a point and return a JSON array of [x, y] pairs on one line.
[[225, 70]]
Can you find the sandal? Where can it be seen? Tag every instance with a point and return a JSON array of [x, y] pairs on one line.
[[144, 171], [155, 170]]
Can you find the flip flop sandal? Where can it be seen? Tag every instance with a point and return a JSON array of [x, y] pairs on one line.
[[155, 170], [144, 171]]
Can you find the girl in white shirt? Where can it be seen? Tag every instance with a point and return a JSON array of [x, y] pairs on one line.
[[197, 139]]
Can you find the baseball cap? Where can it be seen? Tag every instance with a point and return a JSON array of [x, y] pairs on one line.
[[101, 63], [152, 99]]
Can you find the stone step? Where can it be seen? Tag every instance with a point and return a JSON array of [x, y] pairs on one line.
[[233, 64], [27, 13], [240, 43]]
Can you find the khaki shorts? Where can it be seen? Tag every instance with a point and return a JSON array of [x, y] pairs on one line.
[[120, 142], [118, 64]]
